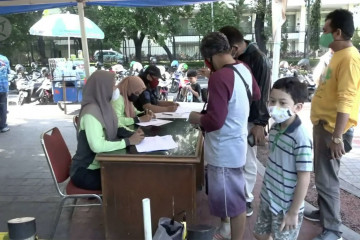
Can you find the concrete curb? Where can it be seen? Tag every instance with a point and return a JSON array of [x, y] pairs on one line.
[[348, 234]]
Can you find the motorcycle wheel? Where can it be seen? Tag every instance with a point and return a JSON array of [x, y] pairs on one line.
[[164, 96], [44, 100], [174, 87], [179, 97], [61, 106], [21, 99]]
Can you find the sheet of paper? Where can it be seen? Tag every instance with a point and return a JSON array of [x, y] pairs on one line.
[[156, 143], [183, 110], [154, 122]]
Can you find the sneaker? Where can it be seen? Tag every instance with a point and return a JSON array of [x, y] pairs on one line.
[[328, 235], [313, 216], [249, 209], [5, 129]]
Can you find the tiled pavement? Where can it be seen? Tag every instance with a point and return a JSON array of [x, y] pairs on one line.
[[27, 188]]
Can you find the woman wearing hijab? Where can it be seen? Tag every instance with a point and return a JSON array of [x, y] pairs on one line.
[[98, 131], [127, 92]]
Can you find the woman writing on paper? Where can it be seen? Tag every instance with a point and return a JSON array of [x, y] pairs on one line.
[[125, 93], [98, 131]]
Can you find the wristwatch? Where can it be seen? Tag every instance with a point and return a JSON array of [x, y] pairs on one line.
[[336, 140]]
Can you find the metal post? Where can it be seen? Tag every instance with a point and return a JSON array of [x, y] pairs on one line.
[[174, 48], [306, 44], [80, 6], [212, 16]]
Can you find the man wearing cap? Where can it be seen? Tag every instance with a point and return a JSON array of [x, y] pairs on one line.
[[148, 99]]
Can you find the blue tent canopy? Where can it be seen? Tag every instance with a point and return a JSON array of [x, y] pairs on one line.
[[20, 6]]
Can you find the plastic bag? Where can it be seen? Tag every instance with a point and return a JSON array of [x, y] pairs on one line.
[[168, 230]]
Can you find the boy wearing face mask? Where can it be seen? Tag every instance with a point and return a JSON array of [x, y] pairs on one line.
[[124, 95], [148, 99], [287, 174]]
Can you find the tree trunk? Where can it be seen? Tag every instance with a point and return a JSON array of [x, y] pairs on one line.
[[259, 26], [138, 44], [167, 50], [41, 48]]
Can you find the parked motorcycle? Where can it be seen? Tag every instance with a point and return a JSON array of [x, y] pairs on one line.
[[12, 77], [178, 76], [163, 88], [182, 95], [31, 90]]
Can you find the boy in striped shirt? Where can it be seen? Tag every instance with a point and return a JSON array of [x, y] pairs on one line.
[[289, 164]]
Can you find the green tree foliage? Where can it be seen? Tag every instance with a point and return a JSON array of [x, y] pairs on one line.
[[284, 40], [262, 9], [223, 16], [20, 40], [314, 26], [356, 39], [136, 23]]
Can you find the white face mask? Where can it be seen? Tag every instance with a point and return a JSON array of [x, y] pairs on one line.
[[280, 114], [115, 95]]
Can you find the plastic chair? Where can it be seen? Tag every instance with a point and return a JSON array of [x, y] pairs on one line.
[[59, 159]]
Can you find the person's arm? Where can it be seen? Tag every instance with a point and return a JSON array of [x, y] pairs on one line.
[[348, 82], [96, 137], [196, 91], [290, 220], [8, 69], [262, 75], [119, 108], [159, 109], [221, 86], [166, 103]]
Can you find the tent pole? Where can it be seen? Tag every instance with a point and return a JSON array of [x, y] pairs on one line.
[[68, 47], [80, 6]]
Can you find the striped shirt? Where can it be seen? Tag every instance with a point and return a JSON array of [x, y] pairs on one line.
[[290, 152]]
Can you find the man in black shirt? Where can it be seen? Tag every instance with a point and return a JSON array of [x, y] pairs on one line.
[[148, 99], [259, 64]]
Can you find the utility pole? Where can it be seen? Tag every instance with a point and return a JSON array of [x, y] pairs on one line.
[[212, 16], [307, 32]]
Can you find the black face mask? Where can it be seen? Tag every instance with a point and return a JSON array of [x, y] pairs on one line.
[[133, 97]]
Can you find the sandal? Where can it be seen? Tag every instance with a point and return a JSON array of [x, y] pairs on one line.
[[219, 236]]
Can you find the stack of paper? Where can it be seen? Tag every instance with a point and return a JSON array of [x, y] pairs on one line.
[[156, 143]]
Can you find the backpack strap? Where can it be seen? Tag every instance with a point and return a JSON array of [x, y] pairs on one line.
[[246, 85]]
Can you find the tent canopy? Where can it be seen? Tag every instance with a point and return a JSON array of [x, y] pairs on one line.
[[20, 6]]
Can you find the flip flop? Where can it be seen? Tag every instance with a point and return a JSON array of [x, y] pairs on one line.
[[218, 236]]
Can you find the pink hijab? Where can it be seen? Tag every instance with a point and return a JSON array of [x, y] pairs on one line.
[[130, 85]]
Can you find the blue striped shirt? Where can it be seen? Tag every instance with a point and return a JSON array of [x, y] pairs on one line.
[[290, 152], [4, 71]]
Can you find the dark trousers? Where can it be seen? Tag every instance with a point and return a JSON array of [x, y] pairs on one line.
[[3, 109], [87, 179], [326, 180]]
